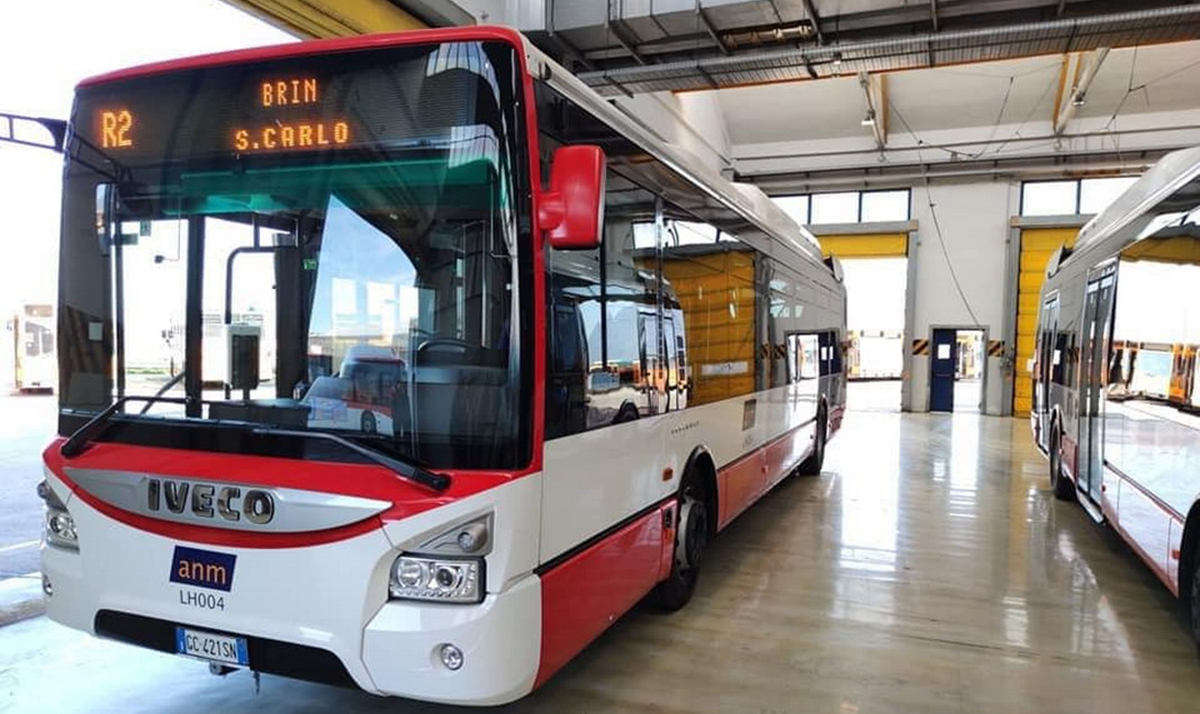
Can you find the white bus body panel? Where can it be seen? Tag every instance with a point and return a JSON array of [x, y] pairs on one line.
[[331, 596], [598, 478]]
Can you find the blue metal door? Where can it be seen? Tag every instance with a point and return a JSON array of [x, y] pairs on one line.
[[944, 363]]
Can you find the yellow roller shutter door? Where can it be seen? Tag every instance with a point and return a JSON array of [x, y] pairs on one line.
[[1037, 245], [872, 245]]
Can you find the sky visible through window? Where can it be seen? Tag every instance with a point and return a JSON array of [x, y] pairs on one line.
[[46, 48]]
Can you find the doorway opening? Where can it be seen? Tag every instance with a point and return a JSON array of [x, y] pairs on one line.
[[957, 365], [875, 290]]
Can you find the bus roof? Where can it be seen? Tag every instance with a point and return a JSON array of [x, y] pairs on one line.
[[1171, 173], [747, 200]]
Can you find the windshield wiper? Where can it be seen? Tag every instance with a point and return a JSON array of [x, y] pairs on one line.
[[79, 440], [410, 471]]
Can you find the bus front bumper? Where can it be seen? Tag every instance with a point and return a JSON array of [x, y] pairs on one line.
[[319, 612]]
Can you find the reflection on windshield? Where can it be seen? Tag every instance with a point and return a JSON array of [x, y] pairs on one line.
[[365, 318]]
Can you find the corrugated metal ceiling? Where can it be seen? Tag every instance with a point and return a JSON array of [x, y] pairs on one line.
[[625, 48]]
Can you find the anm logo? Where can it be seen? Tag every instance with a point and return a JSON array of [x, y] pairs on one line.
[[202, 568]]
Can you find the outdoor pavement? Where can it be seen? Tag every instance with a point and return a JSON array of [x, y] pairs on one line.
[[27, 423]]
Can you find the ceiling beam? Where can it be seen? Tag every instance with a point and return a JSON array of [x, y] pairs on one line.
[[617, 30], [1079, 89], [439, 13], [1068, 60], [710, 29], [815, 19], [330, 18], [885, 110], [872, 87]]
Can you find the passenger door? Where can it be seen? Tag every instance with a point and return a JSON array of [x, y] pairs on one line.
[[943, 367], [1097, 326], [1046, 335]]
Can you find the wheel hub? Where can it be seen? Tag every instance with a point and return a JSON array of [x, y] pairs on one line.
[[689, 544]]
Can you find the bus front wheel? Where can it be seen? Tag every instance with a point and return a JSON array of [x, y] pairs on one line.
[[691, 539], [812, 465], [1064, 490]]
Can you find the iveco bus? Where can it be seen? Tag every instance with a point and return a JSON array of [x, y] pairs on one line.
[[469, 362]]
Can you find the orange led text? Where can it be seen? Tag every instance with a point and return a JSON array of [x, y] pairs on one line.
[[283, 92], [300, 135], [115, 127]]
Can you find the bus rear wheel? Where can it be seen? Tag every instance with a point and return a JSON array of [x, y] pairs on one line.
[[1194, 600], [691, 540], [812, 465], [1064, 490]]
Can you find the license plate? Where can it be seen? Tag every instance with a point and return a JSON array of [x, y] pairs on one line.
[[211, 647]]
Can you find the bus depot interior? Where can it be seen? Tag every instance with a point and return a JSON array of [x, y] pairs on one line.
[[718, 355]]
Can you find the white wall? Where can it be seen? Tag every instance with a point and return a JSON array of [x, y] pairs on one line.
[[974, 220]]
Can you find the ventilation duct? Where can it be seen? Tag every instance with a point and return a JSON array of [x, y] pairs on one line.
[[1139, 27]]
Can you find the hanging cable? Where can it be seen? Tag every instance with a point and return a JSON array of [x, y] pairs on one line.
[[937, 226]]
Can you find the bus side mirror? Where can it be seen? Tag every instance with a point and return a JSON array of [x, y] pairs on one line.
[[572, 211]]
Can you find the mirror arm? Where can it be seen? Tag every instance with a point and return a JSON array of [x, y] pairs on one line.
[[551, 210]]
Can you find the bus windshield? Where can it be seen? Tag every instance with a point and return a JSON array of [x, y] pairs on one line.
[[329, 243]]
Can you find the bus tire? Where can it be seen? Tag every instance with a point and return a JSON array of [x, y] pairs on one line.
[[691, 540], [812, 465], [368, 422], [1064, 490], [1194, 592]]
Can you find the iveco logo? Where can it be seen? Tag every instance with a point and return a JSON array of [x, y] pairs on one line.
[[207, 501], [233, 506]]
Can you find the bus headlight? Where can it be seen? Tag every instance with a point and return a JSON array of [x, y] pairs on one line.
[[59, 525], [416, 577]]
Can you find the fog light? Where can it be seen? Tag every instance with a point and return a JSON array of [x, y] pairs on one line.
[[452, 657], [47, 586]]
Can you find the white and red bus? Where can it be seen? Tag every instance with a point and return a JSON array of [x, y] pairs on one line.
[[1116, 404], [593, 353]]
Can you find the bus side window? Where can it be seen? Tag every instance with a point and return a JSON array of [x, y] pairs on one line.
[[566, 402], [831, 356], [803, 357], [1067, 359]]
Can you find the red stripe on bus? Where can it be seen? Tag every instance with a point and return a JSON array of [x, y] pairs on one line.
[[835, 419], [364, 480], [584, 595], [1068, 449], [742, 482], [538, 405]]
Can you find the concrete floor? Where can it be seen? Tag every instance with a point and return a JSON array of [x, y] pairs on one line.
[[928, 569], [27, 424], [873, 395]]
